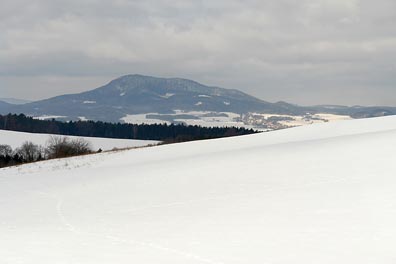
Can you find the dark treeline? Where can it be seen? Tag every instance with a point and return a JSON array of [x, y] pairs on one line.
[[57, 147], [9, 157], [161, 132]]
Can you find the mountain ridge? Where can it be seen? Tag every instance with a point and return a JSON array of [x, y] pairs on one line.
[[16, 101], [136, 94], [139, 94]]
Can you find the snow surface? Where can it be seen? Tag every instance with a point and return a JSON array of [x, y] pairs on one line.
[[315, 194], [142, 119], [257, 121], [46, 117], [16, 139], [303, 120], [167, 95], [83, 118], [205, 119]]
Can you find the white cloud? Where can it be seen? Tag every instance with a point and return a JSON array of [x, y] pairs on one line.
[[274, 49]]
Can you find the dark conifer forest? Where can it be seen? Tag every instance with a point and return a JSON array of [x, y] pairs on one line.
[[162, 132]]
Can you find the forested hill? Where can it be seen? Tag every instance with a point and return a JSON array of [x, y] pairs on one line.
[[162, 132], [138, 94]]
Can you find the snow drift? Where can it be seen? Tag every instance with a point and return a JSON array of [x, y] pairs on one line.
[[315, 194]]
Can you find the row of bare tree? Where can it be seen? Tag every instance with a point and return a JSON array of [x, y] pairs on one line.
[[56, 147]]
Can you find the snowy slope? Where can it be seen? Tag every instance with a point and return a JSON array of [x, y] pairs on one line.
[[315, 194], [16, 139]]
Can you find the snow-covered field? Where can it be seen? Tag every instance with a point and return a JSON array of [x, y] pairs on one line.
[[142, 119], [202, 118], [293, 121], [16, 139], [258, 121], [47, 117], [315, 194]]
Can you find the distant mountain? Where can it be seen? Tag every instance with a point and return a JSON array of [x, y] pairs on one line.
[[4, 107], [15, 101], [138, 94], [135, 94]]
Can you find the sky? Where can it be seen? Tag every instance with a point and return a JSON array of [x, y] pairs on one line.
[[301, 51]]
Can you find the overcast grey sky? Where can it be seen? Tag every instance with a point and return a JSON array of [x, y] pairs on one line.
[[301, 51]]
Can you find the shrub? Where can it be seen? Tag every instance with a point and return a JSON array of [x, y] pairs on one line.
[[29, 152], [60, 147], [5, 150]]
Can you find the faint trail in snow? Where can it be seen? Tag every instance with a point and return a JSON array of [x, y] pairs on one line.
[[63, 219], [59, 211], [191, 256], [73, 229]]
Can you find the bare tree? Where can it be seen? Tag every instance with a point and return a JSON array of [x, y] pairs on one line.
[[60, 147], [81, 146], [30, 152], [5, 150], [5, 156]]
